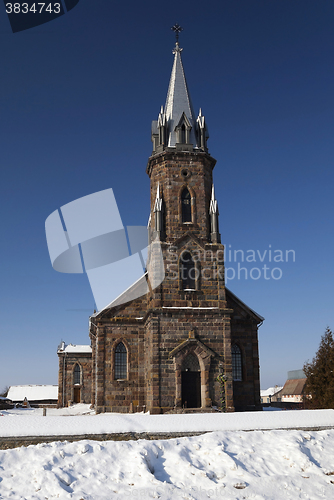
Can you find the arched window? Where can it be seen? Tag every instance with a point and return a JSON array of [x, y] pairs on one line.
[[236, 363], [77, 375], [186, 205], [188, 272], [120, 361]]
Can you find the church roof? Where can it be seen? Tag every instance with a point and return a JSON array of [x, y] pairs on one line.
[[130, 294], [243, 306], [73, 348], [178, 100]]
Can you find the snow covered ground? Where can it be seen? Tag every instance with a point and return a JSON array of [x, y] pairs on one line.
[[231, 465], [258, 465], [30, 422]]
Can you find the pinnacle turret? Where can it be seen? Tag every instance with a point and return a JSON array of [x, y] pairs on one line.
[[214, 222]]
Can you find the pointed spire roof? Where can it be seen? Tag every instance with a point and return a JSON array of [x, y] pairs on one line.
[[177, 127], [178, 100]]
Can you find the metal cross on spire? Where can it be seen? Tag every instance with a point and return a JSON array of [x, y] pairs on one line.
[[177, 30]]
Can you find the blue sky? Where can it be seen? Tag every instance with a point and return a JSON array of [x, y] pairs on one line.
[[77, 99]]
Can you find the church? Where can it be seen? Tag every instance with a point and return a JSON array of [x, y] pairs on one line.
[[189, 344]]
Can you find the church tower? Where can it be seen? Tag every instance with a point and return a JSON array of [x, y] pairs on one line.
[[194, 315], [188, 344]]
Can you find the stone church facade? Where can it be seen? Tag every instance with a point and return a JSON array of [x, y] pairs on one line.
[[168, 350]]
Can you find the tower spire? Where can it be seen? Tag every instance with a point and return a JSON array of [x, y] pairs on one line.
[[177, 127]]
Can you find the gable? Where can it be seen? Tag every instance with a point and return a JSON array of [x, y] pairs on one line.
[[240, 307], [187, 238], [124, 305]]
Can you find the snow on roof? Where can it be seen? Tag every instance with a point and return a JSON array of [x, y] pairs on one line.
[[32, 392], [78, 348], [271, 391], [73, 348]]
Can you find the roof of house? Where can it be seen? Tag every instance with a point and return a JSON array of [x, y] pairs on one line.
[[271, 391], [294, 387], [33, 392]]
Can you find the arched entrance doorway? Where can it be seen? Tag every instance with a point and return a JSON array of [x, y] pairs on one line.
[[191, 382]]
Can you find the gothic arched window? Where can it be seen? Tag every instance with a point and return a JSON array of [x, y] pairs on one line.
[[236, 363], [120, 362], [77, 375], [188, 272], [186, 205]]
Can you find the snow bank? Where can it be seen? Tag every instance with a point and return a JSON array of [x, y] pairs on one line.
[[274, 465], [30, 424]]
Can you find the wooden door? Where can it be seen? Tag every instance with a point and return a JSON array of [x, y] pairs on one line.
[[77, 395]]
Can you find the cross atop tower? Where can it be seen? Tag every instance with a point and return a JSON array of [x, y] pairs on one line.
[[177, 30]]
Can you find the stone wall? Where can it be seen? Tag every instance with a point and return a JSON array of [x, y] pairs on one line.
[[67, 362]]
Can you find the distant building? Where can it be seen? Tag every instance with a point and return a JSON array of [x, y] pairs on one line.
[[290, 396], [293, 390], [271, 395], [36, 395], [75, 373]]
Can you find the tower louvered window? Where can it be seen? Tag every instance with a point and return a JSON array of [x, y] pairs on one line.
[[183, 139], [120, 362], [186, 205], [188, 272], [236, 363]]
